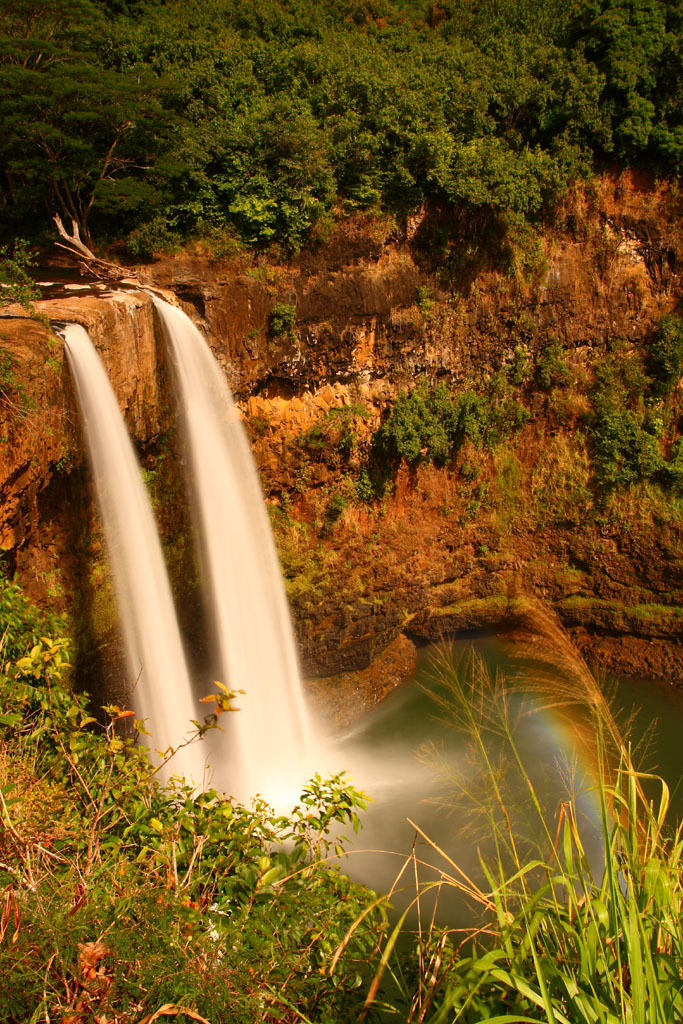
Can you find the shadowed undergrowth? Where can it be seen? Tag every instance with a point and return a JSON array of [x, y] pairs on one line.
[[123, 902]]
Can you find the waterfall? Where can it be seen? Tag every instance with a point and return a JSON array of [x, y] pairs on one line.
[[156, 662], [268, 747]]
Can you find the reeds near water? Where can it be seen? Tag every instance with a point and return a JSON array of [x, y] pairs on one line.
[[579, 906]]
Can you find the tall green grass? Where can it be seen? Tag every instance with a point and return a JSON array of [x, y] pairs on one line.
[[563, 933]]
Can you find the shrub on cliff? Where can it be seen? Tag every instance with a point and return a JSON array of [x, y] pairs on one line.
[[422, 423], [22, 624], [624, 428], [16, 284], [431, 423], [551, 367], [282, 320], [665, 355], [626, 451]]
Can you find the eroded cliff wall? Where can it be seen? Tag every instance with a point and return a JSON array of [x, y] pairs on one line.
[[373, 310]]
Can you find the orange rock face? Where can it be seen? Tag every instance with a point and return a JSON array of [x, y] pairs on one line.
[[38, 415], [610, 269]]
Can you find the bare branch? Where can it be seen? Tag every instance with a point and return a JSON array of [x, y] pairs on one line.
[[89, 262], [74, 239]]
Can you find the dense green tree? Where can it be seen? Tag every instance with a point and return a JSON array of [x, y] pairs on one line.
[[628, 42], [261, 115], [77, 136]]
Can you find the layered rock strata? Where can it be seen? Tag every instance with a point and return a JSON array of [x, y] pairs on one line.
[[371, 316]]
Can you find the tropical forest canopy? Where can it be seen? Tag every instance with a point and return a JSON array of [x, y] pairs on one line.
[[153, 121]]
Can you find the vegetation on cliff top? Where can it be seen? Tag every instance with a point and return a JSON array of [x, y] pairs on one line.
[[251, 122]]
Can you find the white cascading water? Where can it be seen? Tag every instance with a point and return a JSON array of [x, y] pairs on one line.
[[162, 692], [269, 745]]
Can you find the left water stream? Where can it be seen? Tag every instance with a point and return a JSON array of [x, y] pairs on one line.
[[162, 691]]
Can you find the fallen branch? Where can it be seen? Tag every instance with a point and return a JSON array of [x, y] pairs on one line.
[[87, 260], [74, 239]]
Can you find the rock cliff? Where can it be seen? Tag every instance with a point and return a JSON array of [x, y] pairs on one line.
[[40, 429], [373, 309]]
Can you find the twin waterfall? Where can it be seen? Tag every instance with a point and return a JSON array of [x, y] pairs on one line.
[[266, 746]]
